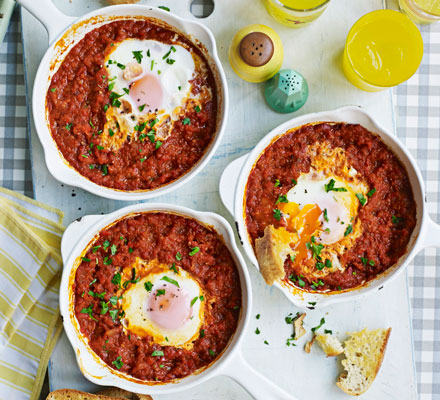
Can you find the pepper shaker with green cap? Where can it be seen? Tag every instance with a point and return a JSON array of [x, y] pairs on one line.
[[256, 53]]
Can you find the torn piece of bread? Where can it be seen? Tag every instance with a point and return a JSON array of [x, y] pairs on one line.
[[329, 344], [121, 393], [271, 251], [70, 394], [298, 328], [106, 394], [309, 344], [364, 351]]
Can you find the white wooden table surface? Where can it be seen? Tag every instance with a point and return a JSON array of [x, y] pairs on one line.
[[315, 51]]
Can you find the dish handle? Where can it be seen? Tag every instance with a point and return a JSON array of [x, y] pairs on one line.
[[432, 234], [48, 14], [256, 384], [74, 232], [229, 181]]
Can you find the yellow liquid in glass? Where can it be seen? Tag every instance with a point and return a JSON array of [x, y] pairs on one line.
[[421, 11], [383, 49], [295, 13]]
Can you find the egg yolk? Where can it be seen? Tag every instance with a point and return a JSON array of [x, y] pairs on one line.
[[147, 90], [305, 222], [170, 310]]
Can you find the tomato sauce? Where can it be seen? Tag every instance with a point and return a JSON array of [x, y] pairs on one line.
[[388, 218], [156, 236], [78, 96]]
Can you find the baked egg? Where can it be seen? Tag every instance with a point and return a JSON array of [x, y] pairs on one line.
[[163, 302], [150, 84]]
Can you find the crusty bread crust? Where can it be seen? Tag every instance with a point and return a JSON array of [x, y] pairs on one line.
[[115, 392], [106, 394], [342, 380], [271, 251]]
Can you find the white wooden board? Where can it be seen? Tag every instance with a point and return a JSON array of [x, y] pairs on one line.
[[315, 51]]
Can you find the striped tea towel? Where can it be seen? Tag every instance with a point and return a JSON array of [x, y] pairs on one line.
[[30, 273]]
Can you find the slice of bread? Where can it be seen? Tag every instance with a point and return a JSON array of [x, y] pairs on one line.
[[121, 393], [271, 251], [365, 351], [329, 344], [71, 394], [106, 394]]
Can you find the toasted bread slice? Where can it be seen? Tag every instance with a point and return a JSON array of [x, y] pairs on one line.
[[70, 394], [329, 344], [271, 251], [364, 351], [309, 344], [120, 393]]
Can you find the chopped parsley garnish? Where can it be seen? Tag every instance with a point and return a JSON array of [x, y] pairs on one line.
[[294, 278], [170, 280], [106, 245], [116, 280], [257, 331], [53, 90], [365, 261], [92, 282], [322, 322], [130, 250], [197, 108], [104, 307], [202, 333], [91, 124], [164, 8], [292, 258], [328, 263], [113, 314], [148, 286], [282, 199], [118, 362], [174, 269], [132, 280], [104, 169], [106, 106], [158, 144], [89, 311], [95, 248], [170, 61], [257, 316], [99, 147], [294, 181], [68, 126], [141, 108], [138, 55], [319, 266], [277, 214], [266, 342], [97, 295], [325, 215], [396, 220], [315, 248], [113, 249], [194, 250], [179, 87], [114, 99], [312, 303], [107, 260], [178, 256], [157, 353], [85, 259], [186, 121], [329, 331], [277, 183], [290, 341], [211, 352], [127, 91], [361, 198], [348, 230], [114, 300], [160, 292], [110, 132], [371, 192], [193, 301], [331, 187], [111, 86], [148, 53], [153, 122], [122, 66], [152, 65]]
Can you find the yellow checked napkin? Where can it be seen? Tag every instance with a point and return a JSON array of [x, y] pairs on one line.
[[30, 273]]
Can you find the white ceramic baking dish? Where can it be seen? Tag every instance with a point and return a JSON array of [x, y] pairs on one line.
[[64, 32], [426, 233], [231, 363]]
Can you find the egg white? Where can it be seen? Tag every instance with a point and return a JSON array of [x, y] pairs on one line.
[[136, 300]]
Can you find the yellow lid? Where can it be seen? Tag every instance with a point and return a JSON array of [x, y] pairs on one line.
[[259, 73]]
